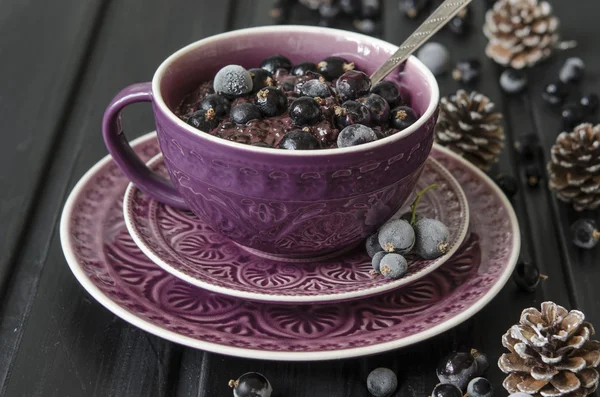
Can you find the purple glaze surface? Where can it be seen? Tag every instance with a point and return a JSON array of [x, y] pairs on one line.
[[315, 202], [109, 265], [188, 248]]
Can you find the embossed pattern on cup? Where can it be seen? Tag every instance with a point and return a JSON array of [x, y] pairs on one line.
[[282, 203]]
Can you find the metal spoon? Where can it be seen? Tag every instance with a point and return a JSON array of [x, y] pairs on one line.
[[441, 16]]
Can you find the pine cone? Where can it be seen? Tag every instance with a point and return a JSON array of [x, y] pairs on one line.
[[468, 126], [521, 32], [551, 354], [574, 170]]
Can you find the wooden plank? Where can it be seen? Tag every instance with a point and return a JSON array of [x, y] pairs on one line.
[[580, 266], [42, 46], [66, 343]]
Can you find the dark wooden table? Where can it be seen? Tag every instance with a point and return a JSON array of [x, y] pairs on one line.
[[63, 60]]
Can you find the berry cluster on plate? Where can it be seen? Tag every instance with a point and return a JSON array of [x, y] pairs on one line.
[[297, 107], [428, 238]]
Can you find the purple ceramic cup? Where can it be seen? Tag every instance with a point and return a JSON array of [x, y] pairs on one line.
[[271, 201]]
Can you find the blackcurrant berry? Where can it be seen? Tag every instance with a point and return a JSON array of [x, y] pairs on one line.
[[388, 91], [527, 276], [299, 140], [274, 62], [271, 101], [402, 117], [378, 107], [585, 234], [555, 93], [303, 67], [351, 112], [305, 111], [333, 67]]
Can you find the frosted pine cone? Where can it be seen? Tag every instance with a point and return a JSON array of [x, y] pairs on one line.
[[469, 126], [521, 32], [574, 170], [551, 354]]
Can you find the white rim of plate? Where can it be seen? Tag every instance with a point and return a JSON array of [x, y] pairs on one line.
[[290, 299], [268, 355]]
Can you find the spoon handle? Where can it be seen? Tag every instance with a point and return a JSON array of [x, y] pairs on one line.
[[442, 15]]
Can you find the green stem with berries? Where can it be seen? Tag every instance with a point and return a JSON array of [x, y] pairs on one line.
[[413, 206]]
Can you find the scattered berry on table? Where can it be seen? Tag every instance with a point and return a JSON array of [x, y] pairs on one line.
[[301, 68], [355, 134], [233, 81], [271, 101], [508, 184], [351, 7], [528, 147], [353, 84], [467, 71], [533, 175], [367, 26], [305, 111], [251, 384], [431, 238], [218, 103], [378, 108], [458, 368], [333, 67], [274, 62], [436, 57], [388, 91], [372, 245], [376, 260], [244, 112], [351, 112], [402, 117], [369, 8], [585, 234], [572, 115], [482, 361], [480, 387], [393, 266], [590, 104], [461, 23], [397, 235], [413, 8], [382, 382], [328, 11], [260, 78], [299, 140], [446, 390], [572, 70], [204, 120], [513, 81], [527, 276], [280, 11], [555, 93], [315, 88]]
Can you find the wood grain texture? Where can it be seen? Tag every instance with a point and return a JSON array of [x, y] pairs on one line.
[[55, 340], [43, 50], [68, 345]]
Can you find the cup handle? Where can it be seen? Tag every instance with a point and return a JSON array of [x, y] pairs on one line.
[[143, 177]]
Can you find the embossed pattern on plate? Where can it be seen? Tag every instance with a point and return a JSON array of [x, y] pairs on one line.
[[185, 246], [108, 264]]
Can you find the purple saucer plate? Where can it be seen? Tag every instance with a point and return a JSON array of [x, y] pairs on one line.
[[185, 246], [109, 265]]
